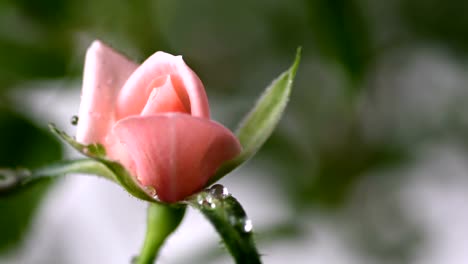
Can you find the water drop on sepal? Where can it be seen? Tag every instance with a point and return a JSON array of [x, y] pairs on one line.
[[151, 191]]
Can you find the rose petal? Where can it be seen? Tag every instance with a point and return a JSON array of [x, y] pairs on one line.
[[186, 83], [164, 98], [105, 72], [174, 153]]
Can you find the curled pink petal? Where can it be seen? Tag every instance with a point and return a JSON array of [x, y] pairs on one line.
[[136, 91], [105, 73], [174, 153], [164, 98]]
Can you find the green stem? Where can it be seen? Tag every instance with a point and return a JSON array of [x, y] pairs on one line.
[[230, 221], [162, 220]]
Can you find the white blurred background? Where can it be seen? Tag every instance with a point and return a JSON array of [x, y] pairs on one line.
[[369, 164]]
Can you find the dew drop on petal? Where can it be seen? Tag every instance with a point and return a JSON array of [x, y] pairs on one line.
[[74, 120]]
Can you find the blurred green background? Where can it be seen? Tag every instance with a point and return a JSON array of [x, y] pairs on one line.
[[381, 86]]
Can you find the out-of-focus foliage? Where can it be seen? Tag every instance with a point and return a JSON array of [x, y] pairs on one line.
[[341, 34], [22, 144], [355, 110], [31, 46]]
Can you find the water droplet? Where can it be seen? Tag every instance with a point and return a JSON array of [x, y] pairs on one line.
[[209, 198], [243, 223], [246, 225], [156, 197], [210, 203], [207, 201], [200, 199], [219, 191], [151, 191], [74, 120]]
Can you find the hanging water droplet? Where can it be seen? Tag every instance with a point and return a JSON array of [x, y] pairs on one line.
[[74, 120], [219, 191], [246, 225]]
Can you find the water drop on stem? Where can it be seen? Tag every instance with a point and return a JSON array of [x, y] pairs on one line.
[[246, 225], [219, 191]]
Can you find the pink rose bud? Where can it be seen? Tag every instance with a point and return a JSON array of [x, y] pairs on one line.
[[154, 119]]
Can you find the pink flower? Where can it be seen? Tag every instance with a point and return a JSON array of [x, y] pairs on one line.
[[154, 119]]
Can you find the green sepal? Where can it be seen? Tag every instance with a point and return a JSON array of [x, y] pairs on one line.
[[230, 221], [12, 179], [261, 121], [117, 172]]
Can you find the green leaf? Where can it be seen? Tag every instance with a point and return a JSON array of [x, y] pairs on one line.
[[99, 165], [98, 153], [261, 121], [230, 221]]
